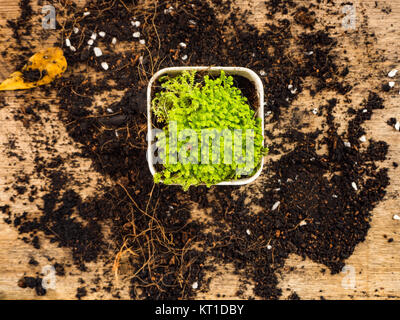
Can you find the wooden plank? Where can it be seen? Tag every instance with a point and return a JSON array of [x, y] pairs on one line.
[[375, 262]]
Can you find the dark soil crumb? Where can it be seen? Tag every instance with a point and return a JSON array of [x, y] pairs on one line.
[[81, 292], [60, 271], [309, 205], [33, 262], [393, 123], [294, 296], [32, 283], [33, 75]]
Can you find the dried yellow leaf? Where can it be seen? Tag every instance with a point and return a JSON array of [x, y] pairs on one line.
[[42, 68]]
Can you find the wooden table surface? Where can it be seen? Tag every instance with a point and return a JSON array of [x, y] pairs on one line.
[[374, 266]]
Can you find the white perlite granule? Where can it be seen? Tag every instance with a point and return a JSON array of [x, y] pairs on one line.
[[392, 73], [136, 34], [104, 65], [275, 206], [97, 51]]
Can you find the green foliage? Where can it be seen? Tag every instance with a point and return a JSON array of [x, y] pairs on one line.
[[185, 104]]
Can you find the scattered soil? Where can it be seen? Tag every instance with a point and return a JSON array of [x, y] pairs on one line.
[[32, 283], [314, 204], [33, 75]]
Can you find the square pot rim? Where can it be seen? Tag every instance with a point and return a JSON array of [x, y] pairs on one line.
[[242, 71]]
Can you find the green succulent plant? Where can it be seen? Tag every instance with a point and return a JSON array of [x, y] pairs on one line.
[[195, 112]]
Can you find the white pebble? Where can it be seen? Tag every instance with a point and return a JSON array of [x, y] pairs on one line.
[[309, 53], [392, 73], [192, 22], [275, 206], [363, 139], [170, 9], [90, 42], [76, 30], [262, 73], [184, 57], [315, 111], [365, 111], [72, 48], [93, 36], [97, 51], [67, 42], [109, 110], [303, 223], [396, 217], [116, 133], [195, 285], [137, 24], [104, 65], [269, 247], [397, 126], [292, 89], [182, 45], [353, 184], [114, 40], [102, 34], [334, 196], [347, 144], [86, 13], [248, 232], [142, 41], [136, 34], [391, 84]]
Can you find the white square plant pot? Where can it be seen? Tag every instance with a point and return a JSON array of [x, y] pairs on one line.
[[234, 71]]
